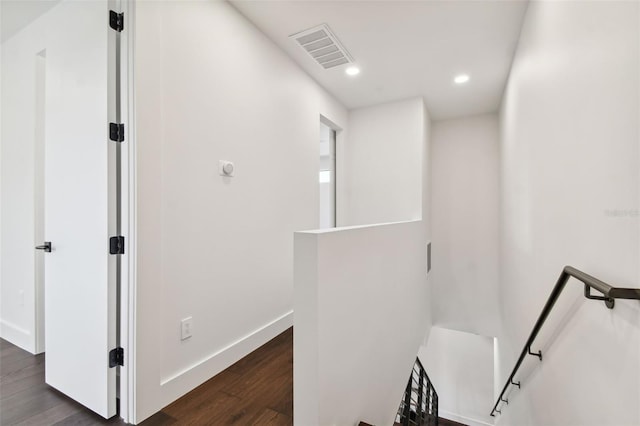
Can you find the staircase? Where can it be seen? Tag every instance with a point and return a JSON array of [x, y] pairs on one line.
[[419, 406]]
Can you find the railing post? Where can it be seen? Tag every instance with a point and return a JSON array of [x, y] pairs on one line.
[[419, 412], [435, 411], [407, 402]]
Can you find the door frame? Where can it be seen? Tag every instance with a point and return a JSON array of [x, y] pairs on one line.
[[338, 153], [128, 213]]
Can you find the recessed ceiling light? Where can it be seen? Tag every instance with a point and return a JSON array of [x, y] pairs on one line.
[[461, 79], [352, 71]]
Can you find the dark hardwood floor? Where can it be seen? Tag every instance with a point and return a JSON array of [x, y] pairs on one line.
[[26, 400], [447, 422], [257, 390]]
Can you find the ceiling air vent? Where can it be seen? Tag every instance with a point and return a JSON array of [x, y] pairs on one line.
[[323, 46]]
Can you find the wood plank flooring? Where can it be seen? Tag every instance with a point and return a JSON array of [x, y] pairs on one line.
[[447, 422], [26, 400], [257, 390]]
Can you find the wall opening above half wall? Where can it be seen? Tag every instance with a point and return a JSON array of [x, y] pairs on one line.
[[361, 311]]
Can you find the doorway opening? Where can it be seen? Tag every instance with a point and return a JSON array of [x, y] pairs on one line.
[[65, 199], [38, 199], [327, 177]]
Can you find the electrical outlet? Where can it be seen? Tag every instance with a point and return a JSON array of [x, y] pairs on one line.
[[186, 328]]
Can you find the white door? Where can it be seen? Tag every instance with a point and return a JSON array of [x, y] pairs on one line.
[[80, 202]]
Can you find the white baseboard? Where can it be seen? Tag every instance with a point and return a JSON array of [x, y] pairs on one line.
[[462, 419], [16, 335], [178, 384]]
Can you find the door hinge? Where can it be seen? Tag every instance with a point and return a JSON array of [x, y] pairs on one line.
[[116, 132], [116, 20], [116, 245], [116, 357]]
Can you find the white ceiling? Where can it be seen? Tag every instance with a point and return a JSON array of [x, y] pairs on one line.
[[405, 48], [17, 14]]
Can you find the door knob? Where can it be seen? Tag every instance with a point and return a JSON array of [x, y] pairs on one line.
[[46, 247]]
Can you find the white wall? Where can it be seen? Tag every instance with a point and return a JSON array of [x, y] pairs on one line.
[[361, 313], [212, 87], [427, 203], [383, 163], [20, 129], [460, 366], [465, 224], [569, 164]]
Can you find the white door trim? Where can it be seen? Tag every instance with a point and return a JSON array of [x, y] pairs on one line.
[[128, 214]]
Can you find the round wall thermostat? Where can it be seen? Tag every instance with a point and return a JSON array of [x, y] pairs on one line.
[[226, 168]]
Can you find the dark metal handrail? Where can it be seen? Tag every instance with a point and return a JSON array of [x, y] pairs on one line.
[[419, 405], [609, 295]]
